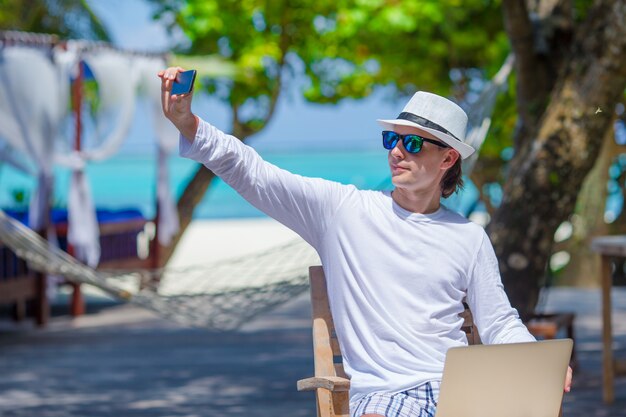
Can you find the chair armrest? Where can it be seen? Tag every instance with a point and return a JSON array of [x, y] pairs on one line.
[[331, 383]]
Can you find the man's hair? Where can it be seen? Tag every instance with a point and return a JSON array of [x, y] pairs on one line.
[[452, 180]]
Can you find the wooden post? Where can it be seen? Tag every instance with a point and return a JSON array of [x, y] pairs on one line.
[[42, 305], [154, 279], [155, 255], [42, 309], [77, 303], [607, 332]]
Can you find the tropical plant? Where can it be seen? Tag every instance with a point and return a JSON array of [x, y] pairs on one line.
[[70, 19]]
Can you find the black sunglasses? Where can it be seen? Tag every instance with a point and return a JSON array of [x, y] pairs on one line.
[[412, 143]]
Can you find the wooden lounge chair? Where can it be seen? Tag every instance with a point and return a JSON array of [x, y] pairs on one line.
[[330, 383]]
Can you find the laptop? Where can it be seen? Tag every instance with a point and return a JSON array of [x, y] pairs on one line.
[[512, 380]]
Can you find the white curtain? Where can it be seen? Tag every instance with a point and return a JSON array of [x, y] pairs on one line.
[[34, 100], [120, 78], [32, 107], [116, 78], [9, 156]]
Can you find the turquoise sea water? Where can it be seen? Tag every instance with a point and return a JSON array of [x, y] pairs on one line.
[[129, 181]]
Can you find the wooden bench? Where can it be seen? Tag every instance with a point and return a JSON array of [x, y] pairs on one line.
[[118, 250], [549, 325], [19, 285]]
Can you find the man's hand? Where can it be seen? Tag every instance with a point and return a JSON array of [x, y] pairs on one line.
[[177, 108], [568, 380]]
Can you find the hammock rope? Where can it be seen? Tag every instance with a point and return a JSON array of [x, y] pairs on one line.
[[221, 295]]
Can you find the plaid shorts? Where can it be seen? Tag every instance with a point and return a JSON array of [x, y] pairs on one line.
[[415, 402]]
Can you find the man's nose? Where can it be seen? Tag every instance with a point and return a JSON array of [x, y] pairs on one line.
[[398, 150]]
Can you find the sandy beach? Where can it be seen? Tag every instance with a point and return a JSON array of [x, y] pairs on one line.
[[207, 241]]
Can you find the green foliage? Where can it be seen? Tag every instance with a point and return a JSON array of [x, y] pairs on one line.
[[580, 9], [343, 48], [91, 96], [66, 18], [19, 196]]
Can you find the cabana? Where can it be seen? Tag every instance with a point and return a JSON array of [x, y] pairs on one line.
[[41, 95]]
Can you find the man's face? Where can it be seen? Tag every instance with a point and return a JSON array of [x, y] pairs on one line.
[[421, 171]]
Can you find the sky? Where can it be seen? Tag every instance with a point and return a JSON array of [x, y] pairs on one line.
[[296, 123]]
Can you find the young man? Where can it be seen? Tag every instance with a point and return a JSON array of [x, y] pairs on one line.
[[398, 264]]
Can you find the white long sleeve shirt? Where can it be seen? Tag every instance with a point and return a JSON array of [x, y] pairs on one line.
[[396, 279]]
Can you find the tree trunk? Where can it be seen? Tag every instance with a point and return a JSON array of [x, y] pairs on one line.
[[546, 173], [540, 45], [588, 221]]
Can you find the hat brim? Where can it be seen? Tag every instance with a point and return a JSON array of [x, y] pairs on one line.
[[464, 149]]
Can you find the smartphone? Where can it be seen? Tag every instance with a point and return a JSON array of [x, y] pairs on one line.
[[184, 82]]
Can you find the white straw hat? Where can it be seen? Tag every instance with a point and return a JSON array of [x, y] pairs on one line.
[[436, 115]]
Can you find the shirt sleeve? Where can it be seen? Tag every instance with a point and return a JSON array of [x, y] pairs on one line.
[[305, 205], [496, 320]]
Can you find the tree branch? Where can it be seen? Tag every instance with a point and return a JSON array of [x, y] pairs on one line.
[[533, 83]]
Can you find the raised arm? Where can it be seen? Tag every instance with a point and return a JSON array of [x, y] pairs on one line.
[[305, 205]]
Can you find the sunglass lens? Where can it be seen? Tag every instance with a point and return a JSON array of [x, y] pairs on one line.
[[390, 139], [412, 143]]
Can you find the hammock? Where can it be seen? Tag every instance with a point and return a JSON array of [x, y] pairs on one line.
[[222, 295]]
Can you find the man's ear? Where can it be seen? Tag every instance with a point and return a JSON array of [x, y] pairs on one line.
[[452, 155]]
